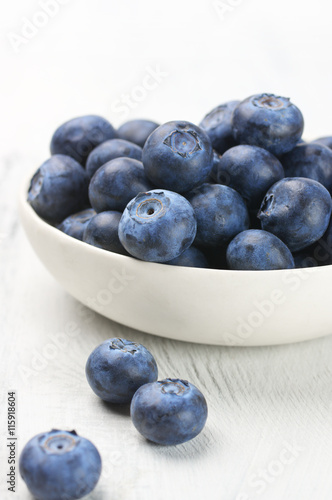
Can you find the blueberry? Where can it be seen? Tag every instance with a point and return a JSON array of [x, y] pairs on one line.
[[109, 150], [75, 224], [116, 183], [268, 121], [256, 250], [325, 141], [218, 126], [157, 226], [221, 213], [213, 175], [304, 258], [312, 160], [169, 412], [79, 136], [321, 251], [118, 367], [58, 189], [249, 170], [178, 156], [297, 210], [192, 257], [102, 232], [60, 465], [137, 131]]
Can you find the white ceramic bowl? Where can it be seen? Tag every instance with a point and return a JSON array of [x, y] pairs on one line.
[[198, 305]]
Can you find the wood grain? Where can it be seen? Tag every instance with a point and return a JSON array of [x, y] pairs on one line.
[[269, 431]]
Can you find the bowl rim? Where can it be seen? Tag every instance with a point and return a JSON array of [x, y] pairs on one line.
[[44, 225]]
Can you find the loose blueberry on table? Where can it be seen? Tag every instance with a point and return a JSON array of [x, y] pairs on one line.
[[60, 464], [169, 412], [118, 367]]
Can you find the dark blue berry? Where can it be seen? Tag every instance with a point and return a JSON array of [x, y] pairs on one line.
[[268, 121], [118, 367], [169, 412], [79, 136]]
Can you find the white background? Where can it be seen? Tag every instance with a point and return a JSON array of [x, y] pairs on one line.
[[262, 401], [90, 53]]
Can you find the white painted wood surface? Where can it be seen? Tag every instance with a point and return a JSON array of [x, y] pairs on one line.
[[269, 431]]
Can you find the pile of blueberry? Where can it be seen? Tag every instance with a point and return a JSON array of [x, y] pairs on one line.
[[240, 191], [60, 464]]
